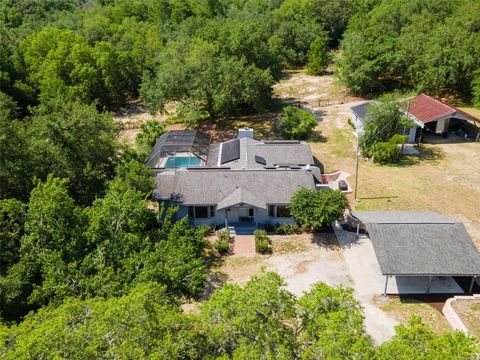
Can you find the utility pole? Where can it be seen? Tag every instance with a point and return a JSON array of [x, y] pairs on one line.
[[405, 127], [356, 166]]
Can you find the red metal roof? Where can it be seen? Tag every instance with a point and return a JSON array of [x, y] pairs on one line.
[[426, 109]]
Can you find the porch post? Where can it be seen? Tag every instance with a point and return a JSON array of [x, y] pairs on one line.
[[429, 284], [358, 228], [386, 284], [471, 284], [226, 221], [255, 217]]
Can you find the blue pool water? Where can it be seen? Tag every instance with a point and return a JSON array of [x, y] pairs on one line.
[[181, 161]]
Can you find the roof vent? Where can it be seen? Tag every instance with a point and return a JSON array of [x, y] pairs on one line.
[[245, 133]]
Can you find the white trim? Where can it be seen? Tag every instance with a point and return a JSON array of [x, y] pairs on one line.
[[219, 161]]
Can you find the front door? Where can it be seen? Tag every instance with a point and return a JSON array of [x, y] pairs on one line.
[[245, 213]]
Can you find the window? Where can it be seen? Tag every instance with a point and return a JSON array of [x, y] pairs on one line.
[[283, 211], [271, 210], [201, 212], [250, 212]]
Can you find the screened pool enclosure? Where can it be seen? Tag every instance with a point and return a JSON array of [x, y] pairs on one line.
[[179, 148]]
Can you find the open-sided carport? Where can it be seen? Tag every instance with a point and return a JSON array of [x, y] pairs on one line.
[[419, 244]]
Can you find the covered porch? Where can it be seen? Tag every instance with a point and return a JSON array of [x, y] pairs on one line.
[[242, 210]]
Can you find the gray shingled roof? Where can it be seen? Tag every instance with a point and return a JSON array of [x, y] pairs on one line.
[[241, 196], [360, 110], [399, 217], [420, 243], [274, 153], [424, 249], [210, 186]]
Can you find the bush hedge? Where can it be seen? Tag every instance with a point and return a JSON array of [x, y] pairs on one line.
[[262, 242], [222, 244], [287, 229]]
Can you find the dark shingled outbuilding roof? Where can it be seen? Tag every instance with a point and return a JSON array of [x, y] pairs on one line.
[[420, 243], [361, 110]]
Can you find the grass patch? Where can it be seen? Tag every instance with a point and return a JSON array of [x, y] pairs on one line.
[[341, 142], [291, 243], [469, 312], [403, 310]]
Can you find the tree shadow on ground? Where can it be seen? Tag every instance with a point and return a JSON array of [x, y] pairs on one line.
[[325, 240], [215, 279], [264, 126], [426, 154]]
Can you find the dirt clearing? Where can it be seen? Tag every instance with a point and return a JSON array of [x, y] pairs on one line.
[[301, 260]]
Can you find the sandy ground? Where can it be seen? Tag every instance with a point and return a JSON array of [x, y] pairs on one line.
[[301, 260], [469, 312]]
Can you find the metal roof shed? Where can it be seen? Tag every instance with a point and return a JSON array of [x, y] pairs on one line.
[[420, 244]]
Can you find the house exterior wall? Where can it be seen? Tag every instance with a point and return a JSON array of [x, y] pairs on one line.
[[261, 216], [412, 135], [442, 126]]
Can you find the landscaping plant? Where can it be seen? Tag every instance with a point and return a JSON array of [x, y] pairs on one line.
[[262, 242], [287, 229], [222, 244], [316, 209]]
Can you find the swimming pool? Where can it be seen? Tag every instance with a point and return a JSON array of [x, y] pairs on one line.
[[181, 161]]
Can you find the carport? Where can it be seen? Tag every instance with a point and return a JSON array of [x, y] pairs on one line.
[[412, 246]]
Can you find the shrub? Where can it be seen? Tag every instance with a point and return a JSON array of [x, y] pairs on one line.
[[350, 122], [149, 133], [224, 235], [296, 124], [388, 152], [318, 56], [270, 228], [315, 209], [262, 242], [222, 246], [287, 229]]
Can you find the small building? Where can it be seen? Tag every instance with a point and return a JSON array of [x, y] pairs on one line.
[[243, 182], [430, 115], [418, 249]]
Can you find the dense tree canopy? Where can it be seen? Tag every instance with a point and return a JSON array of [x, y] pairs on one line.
[[260, 320], [90, 267], [103, 52], [59, 249], [428, 45]]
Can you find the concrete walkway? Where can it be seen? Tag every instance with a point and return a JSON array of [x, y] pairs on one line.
[[244, 245], [364, 269]]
